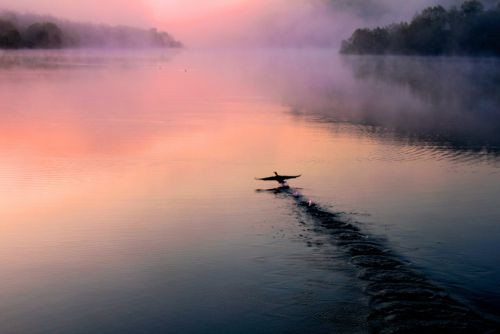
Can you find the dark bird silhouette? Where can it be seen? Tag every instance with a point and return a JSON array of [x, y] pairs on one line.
[[279, 178]]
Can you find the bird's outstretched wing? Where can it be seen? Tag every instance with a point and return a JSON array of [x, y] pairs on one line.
[[270, 178], [290, 177], [278, 178]]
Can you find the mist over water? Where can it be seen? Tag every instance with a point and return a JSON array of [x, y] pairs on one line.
[[237, 23], [128, 192], [446, 102]]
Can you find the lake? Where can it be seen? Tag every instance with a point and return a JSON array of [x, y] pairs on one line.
[[128, 192]]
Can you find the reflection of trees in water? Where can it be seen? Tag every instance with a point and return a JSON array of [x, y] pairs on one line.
[[83, 58], [437, 79], [453, 103]]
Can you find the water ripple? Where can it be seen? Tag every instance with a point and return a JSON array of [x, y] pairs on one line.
[[401, 299]]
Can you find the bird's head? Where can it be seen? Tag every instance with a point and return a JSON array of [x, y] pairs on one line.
[[275, 173]]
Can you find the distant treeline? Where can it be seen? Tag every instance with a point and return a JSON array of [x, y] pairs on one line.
[[43, 32], [468, 30]]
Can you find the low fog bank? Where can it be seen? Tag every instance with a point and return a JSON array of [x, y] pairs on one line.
[[446, 102], [43, 31], [443, 102], [312, 23], [231, 23]]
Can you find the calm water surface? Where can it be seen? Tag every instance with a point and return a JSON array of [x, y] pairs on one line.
[[128, 200]]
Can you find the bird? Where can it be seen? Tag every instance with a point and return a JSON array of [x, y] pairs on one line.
[[279, 178]]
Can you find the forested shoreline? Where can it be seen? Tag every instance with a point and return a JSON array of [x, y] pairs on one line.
[[470, 29], [19, 31]]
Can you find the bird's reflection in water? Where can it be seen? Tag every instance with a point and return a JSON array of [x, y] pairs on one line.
[[279, 190]]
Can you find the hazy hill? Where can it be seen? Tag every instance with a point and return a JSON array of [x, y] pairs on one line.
[[39, 31]]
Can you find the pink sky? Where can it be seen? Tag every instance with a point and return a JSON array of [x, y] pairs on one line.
[[213, 22], [184, 18]]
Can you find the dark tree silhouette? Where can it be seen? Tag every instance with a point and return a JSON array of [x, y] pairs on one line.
[[469, 29], [9, 36], [46, 32], [43, 35]]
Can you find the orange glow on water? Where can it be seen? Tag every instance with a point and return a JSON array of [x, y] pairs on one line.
[[137, 170]]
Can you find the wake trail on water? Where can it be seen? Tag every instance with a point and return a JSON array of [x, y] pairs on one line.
[[401, 299]]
